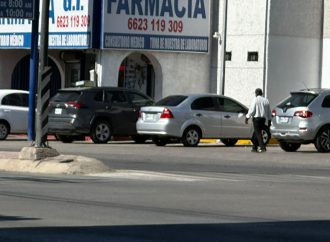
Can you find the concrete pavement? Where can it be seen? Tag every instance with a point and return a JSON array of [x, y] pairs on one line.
[[64, 164]]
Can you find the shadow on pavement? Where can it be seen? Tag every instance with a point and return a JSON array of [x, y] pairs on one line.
[[290, 231], [14, 218]]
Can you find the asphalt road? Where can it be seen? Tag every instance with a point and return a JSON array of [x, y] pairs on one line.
[[209, 193]]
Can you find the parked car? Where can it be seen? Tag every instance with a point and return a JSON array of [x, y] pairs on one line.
[[303, 118], [98, 112], [14, 108], [189, 118]]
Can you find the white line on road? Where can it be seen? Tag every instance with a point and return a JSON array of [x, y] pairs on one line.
[[157, 176]]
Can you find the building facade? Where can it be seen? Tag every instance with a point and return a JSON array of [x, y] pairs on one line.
[[167, 47]]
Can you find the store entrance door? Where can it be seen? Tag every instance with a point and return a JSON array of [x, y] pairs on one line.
[[21, 75], [137, 72]]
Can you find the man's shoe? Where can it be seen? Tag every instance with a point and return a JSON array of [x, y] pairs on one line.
[[261, 150], [254, 150]]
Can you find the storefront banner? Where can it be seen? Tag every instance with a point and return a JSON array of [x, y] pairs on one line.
[[164, 25], [70, 25]]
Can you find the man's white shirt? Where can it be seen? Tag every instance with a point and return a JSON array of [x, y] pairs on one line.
[[260, 109]]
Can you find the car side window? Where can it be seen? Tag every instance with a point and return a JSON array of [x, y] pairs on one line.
[[24, 99], [203, 103], [138, 100], [116, 97], [16, 99], [227, 105], [326, 102], [98, 96]]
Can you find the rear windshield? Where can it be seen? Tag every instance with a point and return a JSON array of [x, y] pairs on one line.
[[171, 101], [298, 100], [66, 96]]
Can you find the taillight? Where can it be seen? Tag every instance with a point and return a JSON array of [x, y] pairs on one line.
[[73, 104], [166, 113], [139, 114], [273, 113], [303, 114]]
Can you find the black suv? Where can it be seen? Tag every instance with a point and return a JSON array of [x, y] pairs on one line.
[[98, 112]]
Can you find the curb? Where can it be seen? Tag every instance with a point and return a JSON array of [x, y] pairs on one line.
[[239, 142], [216, 141]]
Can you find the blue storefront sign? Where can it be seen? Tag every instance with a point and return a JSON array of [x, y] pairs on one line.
[[70, 26], [163, 25]]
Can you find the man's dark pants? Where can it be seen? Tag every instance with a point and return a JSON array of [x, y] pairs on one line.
[[258, 125]]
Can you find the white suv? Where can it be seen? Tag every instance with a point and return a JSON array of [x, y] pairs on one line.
[[303, 118], [14, 108]]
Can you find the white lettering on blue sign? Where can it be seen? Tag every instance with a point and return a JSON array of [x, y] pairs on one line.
[[184, 43], [174, 8], [70, 26]]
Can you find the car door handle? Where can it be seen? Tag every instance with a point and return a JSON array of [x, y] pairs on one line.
[[227, 116], [198, 115]]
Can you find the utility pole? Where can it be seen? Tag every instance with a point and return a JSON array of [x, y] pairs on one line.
[[223, 46], [43, 80], [40, 149]]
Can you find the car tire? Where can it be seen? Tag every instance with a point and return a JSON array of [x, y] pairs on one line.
[[139, 139], [322, 141], [289, 147], [101, 132], [266, 135], [64, 138], [229, 142], [159, 141], [4, 130], [191, 136]]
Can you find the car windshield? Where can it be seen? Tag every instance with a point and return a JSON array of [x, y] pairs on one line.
[[64, 96], [297, 100], [171, 101]]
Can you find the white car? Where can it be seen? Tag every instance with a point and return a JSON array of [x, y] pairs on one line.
[[14, 108], [188, 118]]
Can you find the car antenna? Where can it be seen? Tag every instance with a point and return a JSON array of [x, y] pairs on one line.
[[305, 86]]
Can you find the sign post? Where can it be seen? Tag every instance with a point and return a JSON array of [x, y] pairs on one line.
[[33, 73]]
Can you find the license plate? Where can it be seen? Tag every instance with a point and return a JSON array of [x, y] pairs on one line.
[[283, 119], [149, 117], [58, 110]]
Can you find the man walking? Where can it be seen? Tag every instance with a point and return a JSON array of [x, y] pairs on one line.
[[261, 115]]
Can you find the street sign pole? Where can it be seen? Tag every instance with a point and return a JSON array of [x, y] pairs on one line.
[[43, 80], [33, 73]]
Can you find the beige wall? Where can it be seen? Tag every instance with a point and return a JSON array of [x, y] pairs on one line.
[[294, 47]]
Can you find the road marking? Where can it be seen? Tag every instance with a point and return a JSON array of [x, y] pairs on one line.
[[158, 176]]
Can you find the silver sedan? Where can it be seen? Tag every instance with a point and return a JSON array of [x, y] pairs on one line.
[[14, 108], [189, 118]]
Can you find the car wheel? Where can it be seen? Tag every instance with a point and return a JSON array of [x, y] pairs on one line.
[[289, 147], [101, 132], [266, 135], [64, 138], [159, 141], [229, 142], [322, 141], [139, 139], [191, 137], [4, 130]]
